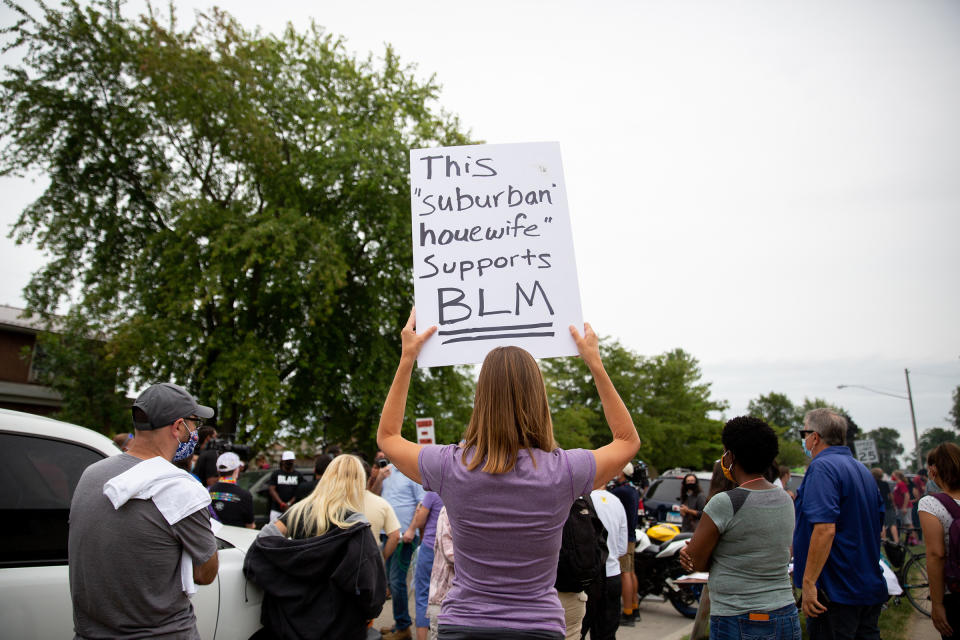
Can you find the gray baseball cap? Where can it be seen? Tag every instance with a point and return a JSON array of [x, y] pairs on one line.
[[165, 403]]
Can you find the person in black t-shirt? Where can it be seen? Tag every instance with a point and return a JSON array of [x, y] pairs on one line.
[[206, 466], [890, 512], [630, 498], [232, 504], [282, 485]]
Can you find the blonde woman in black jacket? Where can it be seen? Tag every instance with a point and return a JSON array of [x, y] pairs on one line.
[[319, 565]]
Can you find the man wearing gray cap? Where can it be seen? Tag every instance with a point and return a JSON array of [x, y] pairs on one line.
[[140, 537]]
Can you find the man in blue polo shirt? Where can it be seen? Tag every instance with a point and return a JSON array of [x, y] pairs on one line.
[[836, 541]]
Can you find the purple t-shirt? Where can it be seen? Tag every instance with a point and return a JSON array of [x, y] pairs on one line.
[[431, 501], [506, 534]]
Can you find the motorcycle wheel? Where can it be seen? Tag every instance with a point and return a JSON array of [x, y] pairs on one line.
[[686, 600]]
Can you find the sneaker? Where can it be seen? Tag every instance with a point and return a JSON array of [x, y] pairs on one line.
[[398, 634], [627, 620]]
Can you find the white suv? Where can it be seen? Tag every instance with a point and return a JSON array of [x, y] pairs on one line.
[[40, 463]]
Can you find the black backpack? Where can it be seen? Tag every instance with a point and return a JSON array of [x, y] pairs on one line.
[[583, 548], [951, 565]]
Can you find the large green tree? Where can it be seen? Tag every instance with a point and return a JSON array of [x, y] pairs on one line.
[[786, 418], [669, 402], [227, 209], [778, 411], [929, 439]]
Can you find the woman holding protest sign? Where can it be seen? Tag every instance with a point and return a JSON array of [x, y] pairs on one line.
[[507, 488]]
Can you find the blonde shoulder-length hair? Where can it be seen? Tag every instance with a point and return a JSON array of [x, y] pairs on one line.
[[510, 412], [338, 494]]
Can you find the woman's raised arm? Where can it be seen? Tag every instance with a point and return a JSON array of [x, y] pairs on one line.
[[610, 458], [402, 453]]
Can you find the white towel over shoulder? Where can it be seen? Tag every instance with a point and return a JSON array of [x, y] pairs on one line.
[[176, 493]]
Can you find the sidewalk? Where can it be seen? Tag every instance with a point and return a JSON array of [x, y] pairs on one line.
[[921, 627]]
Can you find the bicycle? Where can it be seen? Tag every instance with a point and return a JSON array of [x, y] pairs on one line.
[[911, 571]]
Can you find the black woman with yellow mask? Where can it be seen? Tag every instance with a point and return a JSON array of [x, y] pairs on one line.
[[744, 539]]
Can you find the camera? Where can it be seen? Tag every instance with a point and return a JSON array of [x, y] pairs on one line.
[[382, 462], [640, 478], [222, 445]]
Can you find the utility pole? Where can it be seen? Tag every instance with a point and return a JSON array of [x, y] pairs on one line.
[[913, 419]]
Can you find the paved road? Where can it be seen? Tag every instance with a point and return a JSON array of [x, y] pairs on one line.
[[659, 621]]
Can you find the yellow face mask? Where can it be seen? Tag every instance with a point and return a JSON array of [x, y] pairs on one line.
[[726, 470]]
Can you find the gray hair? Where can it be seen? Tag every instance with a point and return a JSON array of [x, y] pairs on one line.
[[830, 425]]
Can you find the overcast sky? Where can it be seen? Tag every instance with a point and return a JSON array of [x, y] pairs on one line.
[[772, 186]]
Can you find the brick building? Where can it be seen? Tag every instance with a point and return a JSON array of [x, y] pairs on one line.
[[19, 389]]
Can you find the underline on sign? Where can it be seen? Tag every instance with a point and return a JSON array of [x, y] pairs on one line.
[[497, 336], [539, 325]]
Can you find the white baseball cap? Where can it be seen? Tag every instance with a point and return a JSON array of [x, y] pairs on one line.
[[228, 462], [288, 455]]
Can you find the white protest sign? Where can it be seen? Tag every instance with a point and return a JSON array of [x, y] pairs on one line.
[[493, 261]]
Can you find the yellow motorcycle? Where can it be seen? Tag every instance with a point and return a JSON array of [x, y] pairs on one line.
[[657, 565]]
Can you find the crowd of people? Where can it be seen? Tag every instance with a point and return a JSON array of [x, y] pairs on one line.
[[506, 535]]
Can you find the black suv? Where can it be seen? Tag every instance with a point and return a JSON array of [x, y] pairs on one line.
[[663, 495]]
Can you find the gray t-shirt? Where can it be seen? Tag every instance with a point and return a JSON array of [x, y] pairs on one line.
[[749, 570], [125, 563]]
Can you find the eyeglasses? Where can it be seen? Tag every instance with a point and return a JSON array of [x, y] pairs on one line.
[[198, 422], [805, 432]]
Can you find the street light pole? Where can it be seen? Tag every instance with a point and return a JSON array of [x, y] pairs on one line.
[[913, 419], [909, 398]]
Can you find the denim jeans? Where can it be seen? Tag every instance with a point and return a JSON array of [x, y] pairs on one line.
[[397, 566], [784, 624], [421, 585]]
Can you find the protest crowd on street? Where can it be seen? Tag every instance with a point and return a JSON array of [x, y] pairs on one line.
[[501, 535]]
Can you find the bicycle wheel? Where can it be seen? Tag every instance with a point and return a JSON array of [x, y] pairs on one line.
[[916, 585]]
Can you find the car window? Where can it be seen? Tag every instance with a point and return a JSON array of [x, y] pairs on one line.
[[666, 490], [795, 480], [38, 476], [248, 478]]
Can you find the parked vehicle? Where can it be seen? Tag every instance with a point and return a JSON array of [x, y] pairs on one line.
[[662, 498], [248, 478], [794, 483], [41, 461], [261, 497], [657, 565]]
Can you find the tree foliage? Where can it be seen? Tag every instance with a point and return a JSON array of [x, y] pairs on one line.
[[888, 447], [229, 209], [786, 418], [669, 402], [779, 412], [930, 439], [79, 367]]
